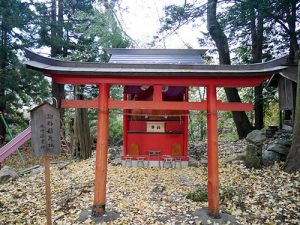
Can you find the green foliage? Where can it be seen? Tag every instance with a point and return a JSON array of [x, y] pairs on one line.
[[256, 29], [59, 31], [115, 118], [253, 157], [159, 189], [16, 29], [226, 127], [199, 195], [115, 130], [197, 126], [96, 30], [241, 22], [116, 92], [19, 87], [82, 35], [271, 100], [272, 115], [177, 15], [228, 135], [197, 119], [226, 194], [81, 29], [22, 86]]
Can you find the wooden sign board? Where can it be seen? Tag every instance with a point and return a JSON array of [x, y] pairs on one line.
[[155, 126], [45, 127]]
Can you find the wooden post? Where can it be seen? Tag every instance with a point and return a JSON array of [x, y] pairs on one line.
[[101, 152], [212, 144], [186, 125], [48, 189], [157, 93], [125, 126], [45, 141], [280, 119]]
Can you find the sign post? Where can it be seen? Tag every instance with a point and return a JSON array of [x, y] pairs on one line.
[[48, 189], [45, 127]]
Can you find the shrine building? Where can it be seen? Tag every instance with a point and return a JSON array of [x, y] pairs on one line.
[[154, 137]]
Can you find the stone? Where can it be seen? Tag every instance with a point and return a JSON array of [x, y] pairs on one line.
[[116, 162], [113, 153], [193, 162], [110, 157], [201, 217], [236, 157], [62, 165], [253, 156], [279, 148], [286, 143], [197, 150], [256, 137], [270, 132], [86, 217], [28, 170], [270, 157], [37, 170], [7, 173], [203, 162]]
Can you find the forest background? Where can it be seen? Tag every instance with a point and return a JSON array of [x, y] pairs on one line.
[[236, 32]]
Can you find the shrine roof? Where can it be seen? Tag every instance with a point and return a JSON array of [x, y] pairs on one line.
[[156, 56], [291, 73], [50, 66]]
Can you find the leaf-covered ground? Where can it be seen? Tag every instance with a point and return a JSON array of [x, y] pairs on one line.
[[153, 195], [16, 162]]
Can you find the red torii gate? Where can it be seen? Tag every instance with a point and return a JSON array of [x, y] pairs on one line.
[[156, 75]]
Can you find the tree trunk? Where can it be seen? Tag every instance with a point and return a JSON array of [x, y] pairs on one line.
[[58, 92], [57, 33], [3, 65], [2, 103], [259, 107], [257, 29], [53, 24], [291, 20], [82, 138], [241, 120], [293, 159], [2, 108]]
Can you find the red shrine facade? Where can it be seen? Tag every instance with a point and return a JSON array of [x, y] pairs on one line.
[[154, 118], [153, 136]]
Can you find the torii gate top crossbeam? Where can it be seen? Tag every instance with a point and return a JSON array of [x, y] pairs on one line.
[[68, 72]]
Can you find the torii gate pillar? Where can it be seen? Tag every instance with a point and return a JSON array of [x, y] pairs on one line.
[[212, 152], [101, 152]]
